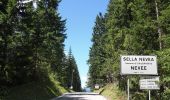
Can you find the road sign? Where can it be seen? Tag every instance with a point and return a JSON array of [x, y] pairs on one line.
[[97, 86], [71, 87], [149, 82], [141, 65]]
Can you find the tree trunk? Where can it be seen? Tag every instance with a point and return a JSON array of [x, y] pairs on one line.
[[159, 28]]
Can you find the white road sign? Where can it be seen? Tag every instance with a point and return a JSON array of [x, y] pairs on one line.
[[141, 65], [149, 82], [97, 86]]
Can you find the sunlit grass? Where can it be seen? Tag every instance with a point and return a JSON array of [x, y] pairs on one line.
[[111, 92]]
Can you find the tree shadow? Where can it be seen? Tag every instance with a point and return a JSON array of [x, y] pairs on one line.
[[70, 98]]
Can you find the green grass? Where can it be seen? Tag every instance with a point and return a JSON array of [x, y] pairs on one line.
[[111, 92], [42, 90]]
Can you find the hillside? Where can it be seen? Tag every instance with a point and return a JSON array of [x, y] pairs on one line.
[[41, 90], [111, 92]]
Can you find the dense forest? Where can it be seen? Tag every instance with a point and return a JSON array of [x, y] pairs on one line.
[[32, 45], [131, 27]]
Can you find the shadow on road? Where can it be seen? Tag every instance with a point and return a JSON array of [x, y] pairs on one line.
[[80, 96], [70, 98]]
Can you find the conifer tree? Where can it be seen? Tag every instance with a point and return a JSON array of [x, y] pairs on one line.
[[73, 77]]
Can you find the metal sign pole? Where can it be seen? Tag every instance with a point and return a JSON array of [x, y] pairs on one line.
[[149, 94], [128, 88]]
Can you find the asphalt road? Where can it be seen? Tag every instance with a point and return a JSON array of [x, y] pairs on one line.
[[80, 96]]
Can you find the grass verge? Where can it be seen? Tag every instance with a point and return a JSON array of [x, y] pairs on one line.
[[111, 92]]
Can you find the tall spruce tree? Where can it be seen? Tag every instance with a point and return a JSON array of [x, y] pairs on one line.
[[96, 52], [73, 77]]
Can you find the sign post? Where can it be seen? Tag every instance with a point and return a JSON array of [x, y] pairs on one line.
[[149, 94], [128, 88], [149, 83], [140, 65]]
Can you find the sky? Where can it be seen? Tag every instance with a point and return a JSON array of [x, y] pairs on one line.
[[80, 18]]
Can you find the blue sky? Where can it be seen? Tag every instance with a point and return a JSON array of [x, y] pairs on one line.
[[80, 16]]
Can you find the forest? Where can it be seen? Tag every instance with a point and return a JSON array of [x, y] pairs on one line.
[[32, 46], [131, 27]]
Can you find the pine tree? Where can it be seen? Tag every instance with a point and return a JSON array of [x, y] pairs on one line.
[[73, 77], [96, 52]]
